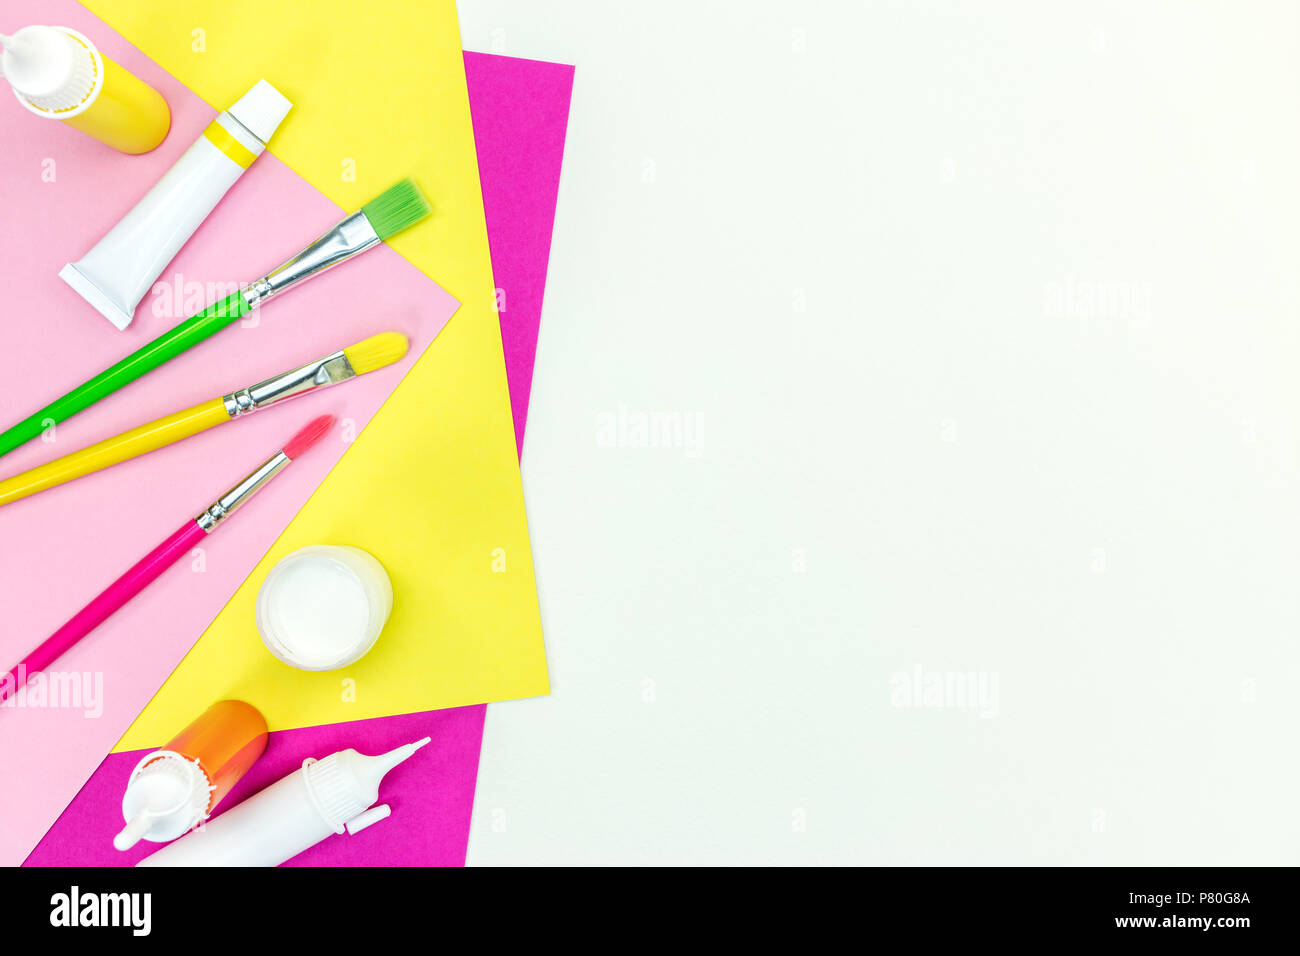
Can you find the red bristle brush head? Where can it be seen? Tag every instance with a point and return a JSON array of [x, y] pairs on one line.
[[310, 435]]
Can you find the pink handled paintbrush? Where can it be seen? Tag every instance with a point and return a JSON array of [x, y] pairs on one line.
[[159, 560]]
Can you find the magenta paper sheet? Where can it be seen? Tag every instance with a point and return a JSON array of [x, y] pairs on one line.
[[520, 110]]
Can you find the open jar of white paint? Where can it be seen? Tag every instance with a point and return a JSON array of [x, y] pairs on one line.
[[322, 607]]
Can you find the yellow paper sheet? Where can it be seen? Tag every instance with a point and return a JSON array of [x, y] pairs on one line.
[[432, 486]]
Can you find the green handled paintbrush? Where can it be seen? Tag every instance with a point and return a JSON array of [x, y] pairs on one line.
[[386, 215]]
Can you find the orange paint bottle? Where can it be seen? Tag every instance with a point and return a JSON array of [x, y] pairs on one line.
[[174, 789]]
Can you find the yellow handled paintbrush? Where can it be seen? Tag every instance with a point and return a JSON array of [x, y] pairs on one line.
[[373, 353]]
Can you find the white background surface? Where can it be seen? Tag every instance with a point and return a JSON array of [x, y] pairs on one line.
[[986, 314]]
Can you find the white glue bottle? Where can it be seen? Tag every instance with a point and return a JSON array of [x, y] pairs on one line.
[[320, 799]]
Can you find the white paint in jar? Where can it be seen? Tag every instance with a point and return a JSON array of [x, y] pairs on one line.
[[322, 607]]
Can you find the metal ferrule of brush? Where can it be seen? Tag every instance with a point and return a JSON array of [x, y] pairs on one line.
[[230, 502], [329, 370], [351, 236]]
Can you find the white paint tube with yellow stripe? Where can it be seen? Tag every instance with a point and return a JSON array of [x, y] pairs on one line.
[[122, 267]]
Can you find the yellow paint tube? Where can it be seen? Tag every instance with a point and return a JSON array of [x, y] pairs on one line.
[[58, 73]]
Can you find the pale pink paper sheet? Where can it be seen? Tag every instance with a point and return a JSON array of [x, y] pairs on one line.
[[61, 191]]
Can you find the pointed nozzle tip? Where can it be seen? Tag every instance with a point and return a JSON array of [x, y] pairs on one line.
[[15, 43], [397, 755], [407, 749], [133, 832]]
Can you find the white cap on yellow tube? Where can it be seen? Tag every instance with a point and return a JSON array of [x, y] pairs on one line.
[[51, 69]]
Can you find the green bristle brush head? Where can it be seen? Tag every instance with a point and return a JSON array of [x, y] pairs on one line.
[[396, 208]]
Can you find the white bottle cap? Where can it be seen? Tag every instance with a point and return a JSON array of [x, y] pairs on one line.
[[372, 816], [345, 784], [322, 607], [260, 110], [53, 70], [166, 796]]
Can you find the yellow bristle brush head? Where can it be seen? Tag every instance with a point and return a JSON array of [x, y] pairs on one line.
[[376, 352]]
